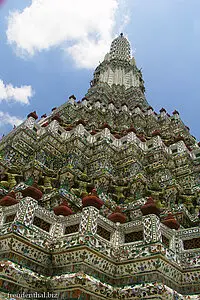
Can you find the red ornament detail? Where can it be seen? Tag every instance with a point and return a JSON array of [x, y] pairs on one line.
[[45, 124], [117, 136], [156, 132], [33, 115], [9, 200], [93, 132], [171, 222], [63, 209], [57, 118], [33, 192], [72, 97], [150, 208], [142, 138], [179, 138], [81, 121], [117, 216], [189, 148], [69, 128], [131, 129], [175, 112], [44, 116], [92, 200], [106, 125]]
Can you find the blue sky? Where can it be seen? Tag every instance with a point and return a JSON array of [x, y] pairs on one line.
[[49, 49]]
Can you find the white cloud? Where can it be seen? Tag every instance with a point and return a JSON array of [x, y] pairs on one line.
[[83, 29], [6, 119], [17, 94], [87, 53]]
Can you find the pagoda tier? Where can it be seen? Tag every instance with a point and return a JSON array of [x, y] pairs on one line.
[[104, 195]]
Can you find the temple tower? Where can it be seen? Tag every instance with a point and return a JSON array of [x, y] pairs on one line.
[[100, 198], [119, 70]]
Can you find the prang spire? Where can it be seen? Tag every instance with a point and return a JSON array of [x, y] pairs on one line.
[[118, 67], [120, 49], [119, 70]]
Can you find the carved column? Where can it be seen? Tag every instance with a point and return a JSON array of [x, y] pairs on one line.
[[117, 237], [30, 122], [53, 126], [172, 244], [57, 228], [88, 225], [152, 232], [1, 216], [26, 210]]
